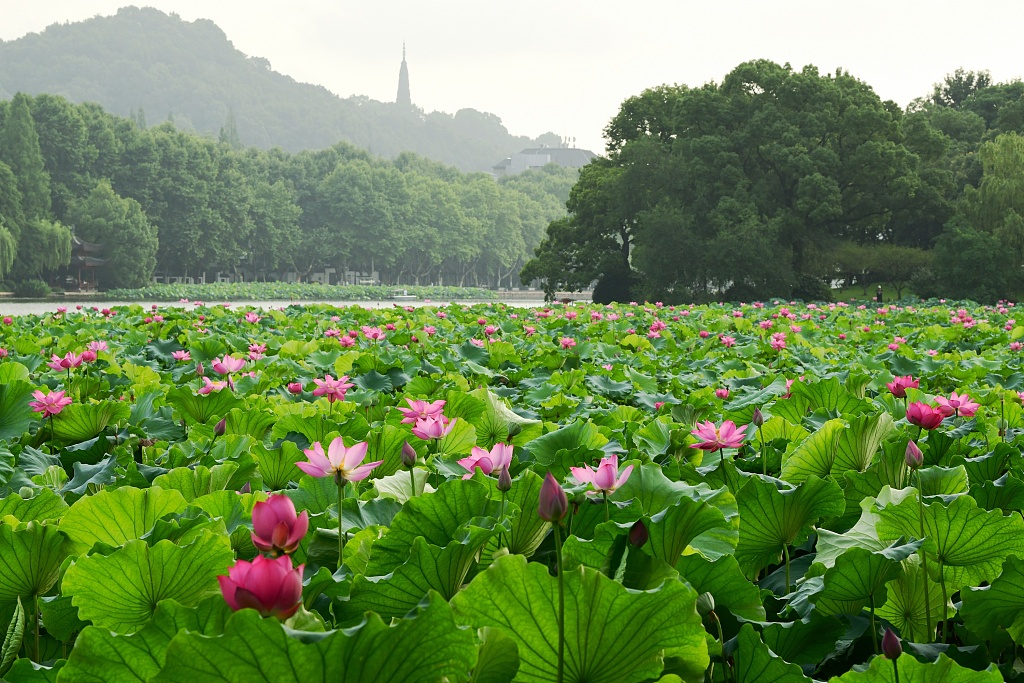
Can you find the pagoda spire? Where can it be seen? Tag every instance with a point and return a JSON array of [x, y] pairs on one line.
[[403, 99]]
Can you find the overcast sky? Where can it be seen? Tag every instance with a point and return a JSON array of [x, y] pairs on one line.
[[566, 65]]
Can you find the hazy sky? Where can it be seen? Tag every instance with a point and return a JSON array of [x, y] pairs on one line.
[[566, 65]]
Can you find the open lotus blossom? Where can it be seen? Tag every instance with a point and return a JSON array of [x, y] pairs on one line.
[[344, 464], [899, 385], [227, 365], [606, 478], [714, 438], [567, 342], [494, 460], [333, 389], [433, 428], [374, 334], [275, 526], [957, 405], [272, 587], [210, 386], [68, 361], [49, 404], [97, 346], [421, 410], [924, 415]]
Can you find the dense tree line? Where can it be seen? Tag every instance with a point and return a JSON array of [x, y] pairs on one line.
[[779, 182], [153, 67], [172, 202]]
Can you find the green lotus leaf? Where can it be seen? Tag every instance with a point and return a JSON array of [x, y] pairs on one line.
[[755, 662], [1005, 493], [545, 449], [11, 371], [200, 408], [654, 438], [100, 655], [830, 394], [755, 399], [254, 423], [521, 599], [60, 617], [436, 517], [115, 516], [498, 658], [724, 579], [277, 465], [814, 456], [32, 555], [15, 413], [648, 487], [120, 592], [806, 641], [11, 642], [527, 530], [424, 648], [942, 670], [999, 606], [859, 443], [198, 481], [905, 606], [98, 475], [44, 506], [971, 544], [386, 444], [858, 578], [373, 381], [429, 568], [771, 519], [942, 481], [82, 421], [459, 441], [778, 428], [27, 671], [693, 523], [611, 553], [497, 419]]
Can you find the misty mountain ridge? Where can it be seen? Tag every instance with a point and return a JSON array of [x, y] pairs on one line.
[[154, 66]]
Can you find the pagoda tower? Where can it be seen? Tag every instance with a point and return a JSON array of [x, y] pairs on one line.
[[403, 99]]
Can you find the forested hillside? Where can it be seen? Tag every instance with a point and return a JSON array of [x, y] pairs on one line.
[[155, 67], [786, 182], [173, 202]]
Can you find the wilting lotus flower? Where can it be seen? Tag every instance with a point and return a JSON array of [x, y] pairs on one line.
[[606, 478], [957, 404], [495, 460], [421, 410], [924, 415], [553, 503], [714, 438], [49, 404], [431, 428], [275, 526], [227, 365], [344, 464], [270, 586], [899, 385], [333, 389]]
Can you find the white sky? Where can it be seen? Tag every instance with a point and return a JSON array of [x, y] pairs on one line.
[[566, 65]]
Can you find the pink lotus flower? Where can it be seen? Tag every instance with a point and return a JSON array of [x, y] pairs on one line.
[[722, 393], [529, 330], [344, 464], [295, 387], [431, 428], [97, 346], [899, 385], [430, 330], [227, 365], [49, 404], [477, 342], [495, 460], [553, 503], [333, 389], [88, 356], [209, 387], [421, 410], [606, 478], [924, 415], [374, 334], [1016, 346], [70, 360], [346, 342], [728, 341], [567, 342], [276, 528], [714, 438], [957, 405], [270, 586], [704, 334], [3, 352], [8, 320], [252, 317]]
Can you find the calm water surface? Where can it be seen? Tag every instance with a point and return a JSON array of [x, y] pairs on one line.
[[37, 307]]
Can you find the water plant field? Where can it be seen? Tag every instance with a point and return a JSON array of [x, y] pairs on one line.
[[609, 494]]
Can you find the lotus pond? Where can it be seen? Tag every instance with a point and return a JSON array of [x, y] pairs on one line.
[[487, 493]]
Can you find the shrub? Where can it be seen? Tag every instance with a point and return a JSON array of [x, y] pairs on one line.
[[31, 289]]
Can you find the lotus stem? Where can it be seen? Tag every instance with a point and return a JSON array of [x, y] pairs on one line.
[[785, 554], [341, 536], [924, 560], [874, 629], [764, 461], [605, 495], [945, 601], [36, 614], [412, 483], [896, 670], [501, 518], [561, 603]]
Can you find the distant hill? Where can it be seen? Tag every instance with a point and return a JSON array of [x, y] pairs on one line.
[[142, 60]]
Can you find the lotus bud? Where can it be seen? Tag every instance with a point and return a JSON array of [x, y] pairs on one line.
[[758, 418], [705, 604], [504, 479], [638, 534], [891, 646], [513, 431], [246, 488], [295, 387], [26, 492], [218, 430], [913, 456], [199, 370], [408, 455], [553, 503]]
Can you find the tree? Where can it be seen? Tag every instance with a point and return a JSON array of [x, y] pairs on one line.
[[19, 149], [960, 86], [123, 228]]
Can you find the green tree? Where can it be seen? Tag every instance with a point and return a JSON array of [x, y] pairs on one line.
[[121, 225], [19, 149]]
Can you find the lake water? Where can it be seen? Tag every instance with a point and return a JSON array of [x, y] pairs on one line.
[[38, 307]]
